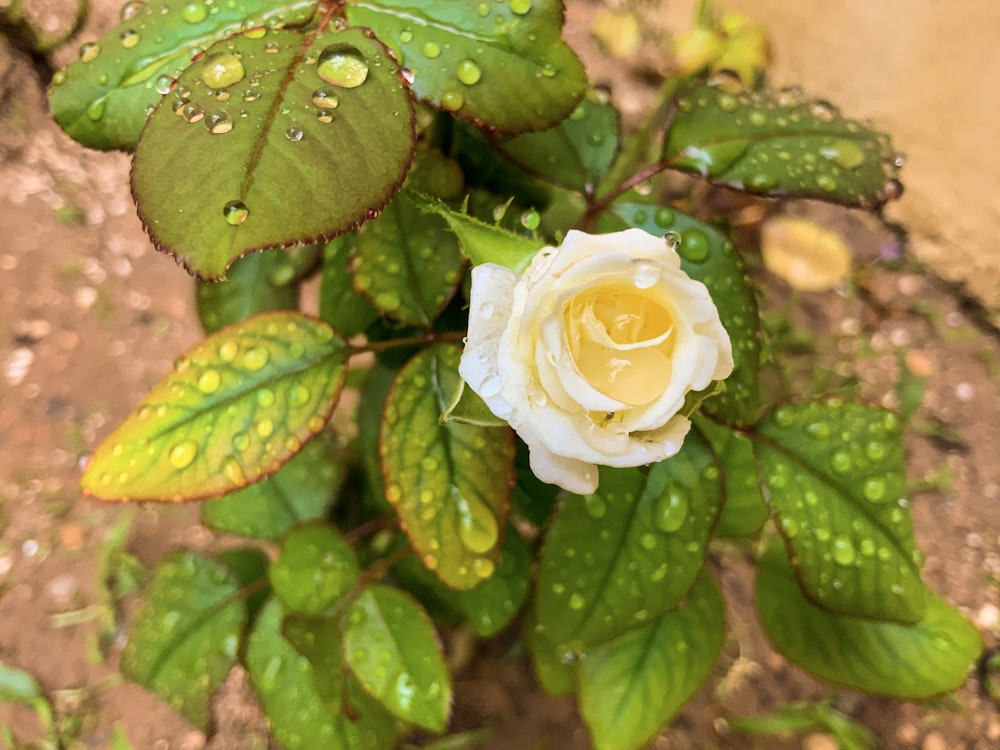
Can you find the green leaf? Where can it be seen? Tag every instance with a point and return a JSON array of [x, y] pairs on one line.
[[622, 557], [743, 511], [772, 143], [407, 263], [832, 474], [577, 152], [318, 639], [185, 636], [555, 668], [708, 256], [315, 568], [233, 411], [506, 69], [630, 687], [391, 647], [249, 565], [212, 185], [466, 407], [300, 720], [448, 482], [340, 305], [302, 490], [101, 99], [18, 686], [915, 661], [804, 717], [485, 243], [257, 283]]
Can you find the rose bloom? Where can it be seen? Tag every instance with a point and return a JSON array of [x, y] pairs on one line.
[[590, 352]]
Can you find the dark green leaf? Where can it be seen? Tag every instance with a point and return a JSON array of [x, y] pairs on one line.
[[555, 668], [631, 686], [186, 635], [743, 512], [804, 717], [407, 263], [709, 257], [319, 640], [622, 557], [302, 490], [300, 720], [448, 482], [256, 283], [832, 474], [315, 568], [505, 68], [467, 407], [773, 143], [531, 497], [249, 565], [233, 411], [340, 305], [391, 646], [212, 185], [915, 661], [575, 153], [485, 243], [374, 394], [101, 100]]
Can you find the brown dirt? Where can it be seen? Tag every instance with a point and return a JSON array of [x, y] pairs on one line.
[[92, 317]]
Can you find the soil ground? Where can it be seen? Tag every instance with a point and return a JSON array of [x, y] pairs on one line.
[[91, 317]]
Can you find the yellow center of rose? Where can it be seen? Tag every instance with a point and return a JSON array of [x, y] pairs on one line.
[[620, 339]]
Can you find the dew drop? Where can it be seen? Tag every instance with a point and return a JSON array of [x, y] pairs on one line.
[[324, 98], [430, 50], [758, 118], [89, 51], [128, 38], [875, 450], [164, 84], [255, 358], [131, 9], [648, 541], [342, 65], [670, 511], [576, 601], [294, 134], [596, 507], [228, 351], [790, 526], [826, 183], [942, 641], [183, 454], [194, 12], [841, 462], [664, 217], [452, 101], [209, 381], [843, 153], [298, 396], [486, 310], [265, 428], [235, 213], [469, 73], [874, 490], [490, 386], [218, 122], [241, 441], [645, 273], [265, 398], [95, 111], [406, 36], [531, 219], [192, 112], [233, 471], [477, 526], [843, 551]]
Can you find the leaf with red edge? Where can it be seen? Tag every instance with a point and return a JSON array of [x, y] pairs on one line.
[[231, 412]]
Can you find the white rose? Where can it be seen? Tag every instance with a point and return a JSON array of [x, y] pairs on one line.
[[590, 353]]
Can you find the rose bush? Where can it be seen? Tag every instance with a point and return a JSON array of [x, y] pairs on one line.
[[590, 353]]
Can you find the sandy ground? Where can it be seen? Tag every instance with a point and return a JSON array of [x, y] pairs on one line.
[[91, 317]]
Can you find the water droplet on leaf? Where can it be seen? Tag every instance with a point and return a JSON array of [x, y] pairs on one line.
[[183, 453], [342, 65], [235, 213]]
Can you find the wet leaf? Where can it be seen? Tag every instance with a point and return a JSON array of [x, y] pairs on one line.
[[775, 143], [449, 483], [620, 558], [186, 635], [318, 639], [391, 647], [407, 263], [302, 490], [101, 99], [632, 686], [300, 720], [505, 68], [467, 407], [743, 512], [314, 569], [212, 185], [709, 257], [554, 673], [807, 256], [485, 243], [805, 717], [249, 565], [233, 411], [340, 305], [256, 283], [929, 657], [832, 474], [577, 152]]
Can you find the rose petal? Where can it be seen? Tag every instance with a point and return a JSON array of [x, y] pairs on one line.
[[572, 475]]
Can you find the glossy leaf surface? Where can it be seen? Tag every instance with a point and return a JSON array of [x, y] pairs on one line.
[[577, 152], [622, 557], [775, 143], [709, 257], [231, 412], [743, 512], [915, 661], [554, 673], [319, 640], [101, 99], [340, 305], [299, 718], [185, 638], [212, 185], [449, 483], [505, 68], [468, 407], [486, 243], [631, 686], [408, 263], [392, 648], [302, 490], [314, 569], [833, 476]]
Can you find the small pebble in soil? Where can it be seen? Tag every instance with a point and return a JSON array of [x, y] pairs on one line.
[[62, 590], [988, 617], [15, 369], [965, 391], [819, 742], [934, 741], [6, 563], [907, 733], [29, 548]]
